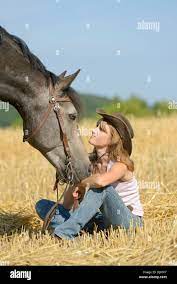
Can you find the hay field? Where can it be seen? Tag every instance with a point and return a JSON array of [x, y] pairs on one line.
[[26, 176]]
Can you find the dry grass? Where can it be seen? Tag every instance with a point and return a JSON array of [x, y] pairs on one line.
[[25, 177]]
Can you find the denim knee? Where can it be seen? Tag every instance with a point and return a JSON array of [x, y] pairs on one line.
[[108, 188], [42, 207]]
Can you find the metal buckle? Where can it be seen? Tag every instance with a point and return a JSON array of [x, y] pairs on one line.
[[26, 135], [56, 107], [69, 170], [52, 100]]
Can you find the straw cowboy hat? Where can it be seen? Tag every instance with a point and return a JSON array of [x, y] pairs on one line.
[[121, 124]]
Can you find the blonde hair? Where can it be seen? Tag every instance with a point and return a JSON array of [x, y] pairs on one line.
[[116, 151]]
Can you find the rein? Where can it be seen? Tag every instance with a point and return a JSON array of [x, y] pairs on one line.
[[69, 170]]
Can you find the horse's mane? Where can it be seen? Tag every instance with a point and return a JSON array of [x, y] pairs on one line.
[[38, 65], [33, 59]]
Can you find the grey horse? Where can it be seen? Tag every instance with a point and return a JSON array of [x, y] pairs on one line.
[[24, 83]]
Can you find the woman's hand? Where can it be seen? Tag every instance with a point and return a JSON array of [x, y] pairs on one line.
[[79, 192]]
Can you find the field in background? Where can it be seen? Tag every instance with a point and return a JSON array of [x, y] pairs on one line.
[[26, 176]]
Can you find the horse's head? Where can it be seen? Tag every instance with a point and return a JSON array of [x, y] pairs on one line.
[[25, 83]]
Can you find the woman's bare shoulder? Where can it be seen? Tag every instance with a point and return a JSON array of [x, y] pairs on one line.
[[119, 165], [128, 175]]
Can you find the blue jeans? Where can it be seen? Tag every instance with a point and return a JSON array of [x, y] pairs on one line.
[[114, 213], [62, 214]]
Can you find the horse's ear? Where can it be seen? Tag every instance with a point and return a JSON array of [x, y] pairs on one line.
[[62, 75], [65, 82]]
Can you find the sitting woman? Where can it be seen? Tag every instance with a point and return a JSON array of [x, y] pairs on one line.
[[109, 196]]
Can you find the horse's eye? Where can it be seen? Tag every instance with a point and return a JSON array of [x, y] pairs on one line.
[[72, 116]]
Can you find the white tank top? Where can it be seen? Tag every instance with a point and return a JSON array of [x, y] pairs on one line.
[[129, 192]]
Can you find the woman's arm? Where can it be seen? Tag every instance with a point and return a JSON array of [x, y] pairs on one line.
[[117, 171]]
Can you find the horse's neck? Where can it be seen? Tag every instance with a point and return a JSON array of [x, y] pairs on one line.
[[22, 100]]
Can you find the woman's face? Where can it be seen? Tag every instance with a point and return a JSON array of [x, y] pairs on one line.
[[101, 136]]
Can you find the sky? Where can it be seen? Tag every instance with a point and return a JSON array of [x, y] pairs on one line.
[[121, 46]]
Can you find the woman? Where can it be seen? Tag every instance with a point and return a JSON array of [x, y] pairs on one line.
[[112, 197]]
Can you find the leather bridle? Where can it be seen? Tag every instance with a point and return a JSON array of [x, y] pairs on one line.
[[69, 170]]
